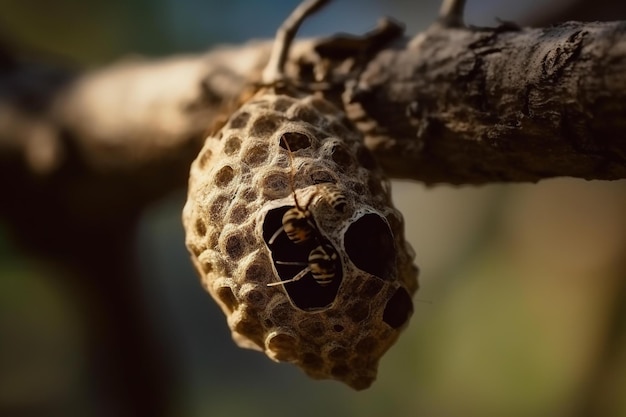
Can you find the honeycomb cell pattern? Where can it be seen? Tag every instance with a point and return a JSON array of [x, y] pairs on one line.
[[243, 181]]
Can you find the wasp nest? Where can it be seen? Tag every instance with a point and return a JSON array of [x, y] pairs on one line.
[[290, 224]]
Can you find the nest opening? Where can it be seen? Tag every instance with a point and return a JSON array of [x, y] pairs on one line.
[[370, 245], [398, 309], [292, 258]]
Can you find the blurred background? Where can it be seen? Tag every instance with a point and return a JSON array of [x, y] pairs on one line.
[[522, 305]]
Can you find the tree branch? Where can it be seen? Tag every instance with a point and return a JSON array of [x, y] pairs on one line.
[[505, 104], [453, 105]]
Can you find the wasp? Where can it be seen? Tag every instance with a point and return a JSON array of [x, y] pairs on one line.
[[297, 222], [322, 264], [335, 198]]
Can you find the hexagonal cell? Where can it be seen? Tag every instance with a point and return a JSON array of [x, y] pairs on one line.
[[205, 266], [312, 327], [224, 176], [306, 114], [204, 157], [256, 155], [342, 157], [249, 194], [238, 214], [236, 245], [239, 120], [258, 271], [275, 185], [226, 296], [371, 287], [357, 187], [398, 309], [253, 297], [322, 176], [282, 314], [358, 311], [283, 345], [265, 125], [359, 361], [206, 261], [200, 227], [232, 145], [283, 103], [336, 353], [366, 346], [295, 141]]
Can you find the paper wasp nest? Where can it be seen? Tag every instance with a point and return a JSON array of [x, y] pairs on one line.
[[287, 190]]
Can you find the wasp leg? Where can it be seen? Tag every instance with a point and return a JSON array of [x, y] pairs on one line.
[[298, 276], [291, 263], [275, 235]]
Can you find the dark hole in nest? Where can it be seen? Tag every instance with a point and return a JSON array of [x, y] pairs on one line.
[[296, 141], [306, 293], [398, 308], [370, 245], [342, 157], [322, 177]]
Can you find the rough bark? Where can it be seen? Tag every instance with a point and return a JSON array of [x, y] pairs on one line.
[[475, 106], [455, 105]]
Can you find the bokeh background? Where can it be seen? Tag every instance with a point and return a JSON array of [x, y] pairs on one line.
[[522, 306]]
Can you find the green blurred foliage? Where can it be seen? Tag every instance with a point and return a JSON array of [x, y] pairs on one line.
[[41, 341], [85, 32]]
